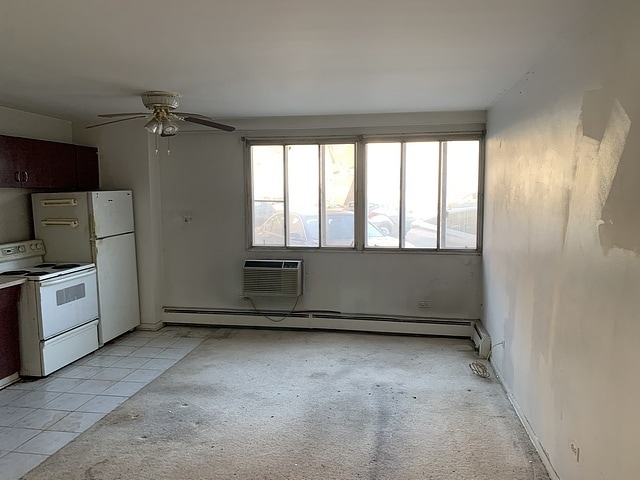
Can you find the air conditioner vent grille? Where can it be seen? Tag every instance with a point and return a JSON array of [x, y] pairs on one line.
[[272, 278]]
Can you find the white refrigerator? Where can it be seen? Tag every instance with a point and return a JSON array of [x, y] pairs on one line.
[[95, 227]]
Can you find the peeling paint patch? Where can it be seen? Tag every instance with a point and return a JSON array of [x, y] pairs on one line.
[[599, 149]]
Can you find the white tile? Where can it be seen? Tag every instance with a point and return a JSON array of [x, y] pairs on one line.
[[40, 419], [162, 342], [76, 422], [149, 352], [46, 443], [187, 342], [34, 399], [131, 341], [68, 402], [14, 465], [7, 396], [131, 362], [10, 415], [117, 350], [92, 386], [60, 384], [160, 363], [102, 404], [124, 389], [146, 333], [142, 375], [25, 385], [100, 361], [176, 353], [111, 373], [81, 371], [11, 438]]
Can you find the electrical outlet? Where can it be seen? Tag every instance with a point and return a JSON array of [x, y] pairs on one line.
[[575, 449], [424, 304]]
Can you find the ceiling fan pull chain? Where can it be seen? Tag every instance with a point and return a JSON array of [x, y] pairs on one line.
[[169, 146], [157, 135]]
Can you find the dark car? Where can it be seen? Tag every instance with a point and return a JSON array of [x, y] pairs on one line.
[[304, 232]]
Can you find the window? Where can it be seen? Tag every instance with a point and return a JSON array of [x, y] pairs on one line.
[[416, 194]]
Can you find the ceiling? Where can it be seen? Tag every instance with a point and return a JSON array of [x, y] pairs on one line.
[[74, 59]]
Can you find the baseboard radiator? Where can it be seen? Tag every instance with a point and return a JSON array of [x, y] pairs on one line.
[[472, 329]]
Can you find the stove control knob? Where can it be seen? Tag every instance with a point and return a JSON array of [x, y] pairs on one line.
[[22, 249]]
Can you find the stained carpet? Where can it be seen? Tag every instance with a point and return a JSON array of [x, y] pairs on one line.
[[267, 404]]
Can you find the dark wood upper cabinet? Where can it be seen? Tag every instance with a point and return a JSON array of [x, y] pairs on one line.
[[35, 164], [9, 164], [87, 168]]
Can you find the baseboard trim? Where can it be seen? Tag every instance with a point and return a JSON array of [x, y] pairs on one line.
[[542, 453], [322, 321]]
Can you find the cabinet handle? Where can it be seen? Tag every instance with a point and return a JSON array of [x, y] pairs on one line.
[[26, 177], [18, 176]]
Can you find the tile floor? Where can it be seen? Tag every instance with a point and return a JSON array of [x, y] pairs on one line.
[[40, 416]]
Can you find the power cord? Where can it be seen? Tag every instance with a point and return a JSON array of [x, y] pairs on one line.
[[480, 369], [275, 320]]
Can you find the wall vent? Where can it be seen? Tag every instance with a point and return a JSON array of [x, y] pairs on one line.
[[272, 278]]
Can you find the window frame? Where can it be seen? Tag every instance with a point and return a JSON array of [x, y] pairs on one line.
[[360, 200]]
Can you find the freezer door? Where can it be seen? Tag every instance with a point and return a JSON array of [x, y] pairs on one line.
[[61, 220], [111, 213], [115, 259]]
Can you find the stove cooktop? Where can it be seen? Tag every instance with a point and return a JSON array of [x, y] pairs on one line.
[[44, 271], [26, 259]]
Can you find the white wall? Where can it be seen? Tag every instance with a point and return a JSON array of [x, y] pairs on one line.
[[128, 162], [15, 204], [204, 178], [562, 239]]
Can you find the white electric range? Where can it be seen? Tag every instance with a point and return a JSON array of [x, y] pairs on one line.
[[58, 307]]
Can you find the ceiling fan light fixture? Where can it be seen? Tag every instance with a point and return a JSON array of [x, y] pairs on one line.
[[169, 127], [153, 126]]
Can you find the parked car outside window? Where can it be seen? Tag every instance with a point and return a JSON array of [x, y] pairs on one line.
[[304, 232], [460, 230]]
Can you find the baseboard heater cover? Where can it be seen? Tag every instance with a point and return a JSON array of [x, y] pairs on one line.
[[455, 327]]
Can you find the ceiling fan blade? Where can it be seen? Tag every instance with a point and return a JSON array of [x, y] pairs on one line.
[[115, 121], [186, 114], [207, 123], [114, 115]]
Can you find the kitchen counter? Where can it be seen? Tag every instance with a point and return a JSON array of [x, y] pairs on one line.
[[11, 282]]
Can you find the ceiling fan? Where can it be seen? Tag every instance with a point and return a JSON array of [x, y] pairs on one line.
[[163, 118]]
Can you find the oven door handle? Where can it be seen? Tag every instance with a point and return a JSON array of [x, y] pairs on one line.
[[70, 277], [60, 222]]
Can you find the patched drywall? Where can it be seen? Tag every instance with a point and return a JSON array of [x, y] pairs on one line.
[[561, 266]]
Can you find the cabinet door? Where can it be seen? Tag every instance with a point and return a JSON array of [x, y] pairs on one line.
[[9, 163], [9, 339], [88, 168], [47, 164]]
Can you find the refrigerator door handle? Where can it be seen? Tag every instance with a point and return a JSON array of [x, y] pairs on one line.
[[60, 222], [59, 202]]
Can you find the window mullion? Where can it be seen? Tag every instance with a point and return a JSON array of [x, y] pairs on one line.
[[285, 160], [360, 206], [322, 196], [403, 178], [442, 196]]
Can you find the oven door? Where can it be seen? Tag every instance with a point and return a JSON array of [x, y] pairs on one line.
[[66, 302]]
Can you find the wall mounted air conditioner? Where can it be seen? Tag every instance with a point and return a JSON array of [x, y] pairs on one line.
[[272, 278]]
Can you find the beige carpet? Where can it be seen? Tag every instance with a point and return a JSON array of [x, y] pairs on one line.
[[265, 404]]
